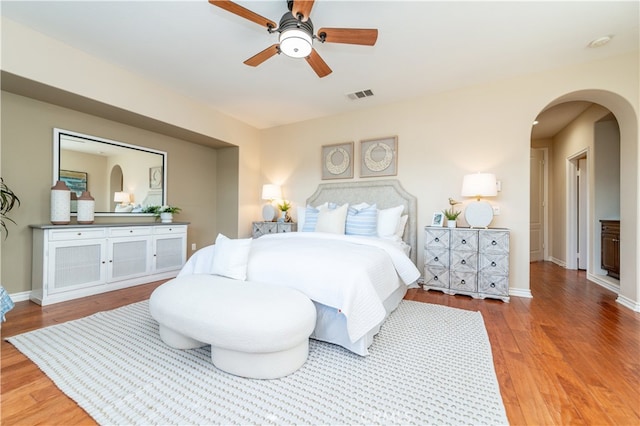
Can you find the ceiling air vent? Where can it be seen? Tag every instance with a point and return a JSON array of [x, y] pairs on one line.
[[361, 94]]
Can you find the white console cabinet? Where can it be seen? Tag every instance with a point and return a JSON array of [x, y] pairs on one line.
[[73, 261]]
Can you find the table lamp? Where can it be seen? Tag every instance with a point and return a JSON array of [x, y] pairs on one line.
[[479, 214], [270, 192]]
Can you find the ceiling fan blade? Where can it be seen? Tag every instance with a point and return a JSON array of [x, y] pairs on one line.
[[302, 7], [318, 64], [232, 7], [363, 36], [259, 58]]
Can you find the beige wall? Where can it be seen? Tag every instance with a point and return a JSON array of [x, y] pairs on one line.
[[27, 167], [444, 136], [575, 139]]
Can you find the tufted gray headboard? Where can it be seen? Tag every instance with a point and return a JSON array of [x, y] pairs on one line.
[[384, 193]]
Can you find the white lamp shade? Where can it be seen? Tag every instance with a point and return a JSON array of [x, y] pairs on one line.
[[295, 43], [121, 197], [271, 192], [479, 185]]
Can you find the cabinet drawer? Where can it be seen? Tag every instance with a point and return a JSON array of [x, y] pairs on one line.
[[129, 232], [76, 234], [437, 257], [464, 240], [436, 238], [170, 229], [462, 281], [464, 261], [494, 241], [436, 276], [494, 264], [493, 284]]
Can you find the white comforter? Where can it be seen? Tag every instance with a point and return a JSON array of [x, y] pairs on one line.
[[351, 274]]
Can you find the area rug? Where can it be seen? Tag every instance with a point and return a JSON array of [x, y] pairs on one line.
[[429, 364]]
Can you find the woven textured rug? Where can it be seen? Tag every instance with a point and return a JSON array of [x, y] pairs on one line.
[[429, 364]]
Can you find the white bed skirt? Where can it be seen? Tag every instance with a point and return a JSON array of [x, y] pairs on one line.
[[331, 326]]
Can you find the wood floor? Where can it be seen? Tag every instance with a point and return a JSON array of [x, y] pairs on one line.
[[570, 355]]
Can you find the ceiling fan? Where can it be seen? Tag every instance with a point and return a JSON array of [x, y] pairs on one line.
[[296, 34]]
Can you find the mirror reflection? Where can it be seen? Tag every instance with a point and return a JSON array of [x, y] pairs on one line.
[[122, 178]]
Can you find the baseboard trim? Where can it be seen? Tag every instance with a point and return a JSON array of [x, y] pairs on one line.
[[628, 303], [20, 297], [520, 292], [603, 282], [558, 262]]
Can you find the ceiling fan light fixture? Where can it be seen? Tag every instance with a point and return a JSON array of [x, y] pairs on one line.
[[295, 43]]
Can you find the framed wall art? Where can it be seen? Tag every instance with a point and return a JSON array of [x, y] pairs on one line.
[[76, 181], [155, 177], [379, 157], [337, 161]]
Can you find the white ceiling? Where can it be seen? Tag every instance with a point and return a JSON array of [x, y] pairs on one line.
[[423, 47]]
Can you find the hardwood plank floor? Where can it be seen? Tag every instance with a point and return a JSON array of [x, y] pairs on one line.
[[570, 355]]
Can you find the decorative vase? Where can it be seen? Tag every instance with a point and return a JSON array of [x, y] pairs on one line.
[[451, 223], [60, 204], [166, 217], [86, 208]]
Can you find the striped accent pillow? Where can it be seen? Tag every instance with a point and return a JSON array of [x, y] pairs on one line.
[[363, 222], [310, 219]]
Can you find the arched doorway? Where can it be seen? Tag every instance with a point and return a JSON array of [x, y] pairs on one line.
[[611, 108]]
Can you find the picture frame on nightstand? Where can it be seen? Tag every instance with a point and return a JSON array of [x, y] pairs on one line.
[[438, 219]]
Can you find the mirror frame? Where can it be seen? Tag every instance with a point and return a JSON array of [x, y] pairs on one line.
[[57, 133]]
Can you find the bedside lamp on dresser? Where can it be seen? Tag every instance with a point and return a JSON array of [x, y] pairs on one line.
[[472, 261], [477, 185]]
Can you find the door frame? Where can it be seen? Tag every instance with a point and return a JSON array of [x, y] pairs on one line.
[[572, 210]]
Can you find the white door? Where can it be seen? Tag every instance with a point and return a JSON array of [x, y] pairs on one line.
[[537, 206], [582, 213]]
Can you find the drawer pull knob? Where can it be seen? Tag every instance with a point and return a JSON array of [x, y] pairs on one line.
[[464, 262], [437, 240], [79, 233], [493, 263], [493, 285], [435, 278], [131, 231], [463, 282], [494, 243], [435, 258], [464, 241]]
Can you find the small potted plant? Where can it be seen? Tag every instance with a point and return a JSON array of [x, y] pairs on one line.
[[284, 207], [165, 213], [8, 201], [451, 213]]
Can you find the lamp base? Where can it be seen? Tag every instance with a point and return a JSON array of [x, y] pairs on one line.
[[268, 213], [478, 214]]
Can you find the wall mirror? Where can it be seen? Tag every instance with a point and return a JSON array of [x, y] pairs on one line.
[[122, 178]]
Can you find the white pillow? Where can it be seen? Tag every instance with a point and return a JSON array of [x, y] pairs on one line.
[[388, 221], [332, 220], [402, 223], [231, 257]]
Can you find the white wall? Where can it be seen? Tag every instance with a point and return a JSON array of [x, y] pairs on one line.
[[444, 136]]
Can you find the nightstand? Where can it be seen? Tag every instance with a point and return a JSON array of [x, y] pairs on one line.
[[259, 229], [467, 261]]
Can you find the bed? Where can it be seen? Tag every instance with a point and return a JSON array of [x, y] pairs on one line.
[[354, 280]]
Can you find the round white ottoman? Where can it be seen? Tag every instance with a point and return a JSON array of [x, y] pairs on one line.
[[255, 330]]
